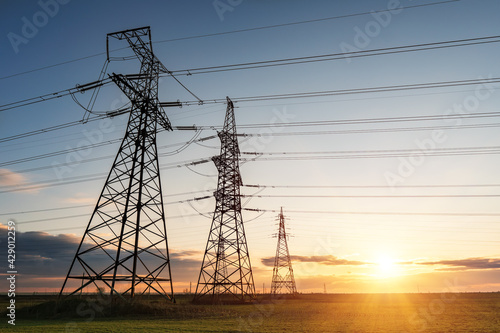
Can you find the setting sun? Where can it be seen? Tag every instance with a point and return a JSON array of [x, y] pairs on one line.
[[386, 267]]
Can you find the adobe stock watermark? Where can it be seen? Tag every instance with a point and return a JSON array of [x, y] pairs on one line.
[[223, 6], [262, 310], [88, 310], [425, 315], [31, 26], [424, 147], [372, 29], [11, 272]]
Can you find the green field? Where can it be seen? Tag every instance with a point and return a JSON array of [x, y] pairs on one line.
[[464, 312]]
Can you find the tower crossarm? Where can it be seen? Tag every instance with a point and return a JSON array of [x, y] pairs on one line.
[[132, 88]]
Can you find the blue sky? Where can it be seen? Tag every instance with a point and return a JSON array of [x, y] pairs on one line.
[[78, 29]]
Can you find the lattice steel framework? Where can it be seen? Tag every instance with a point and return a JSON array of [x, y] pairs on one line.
[[283, 281], [226, 272], [124, 249]]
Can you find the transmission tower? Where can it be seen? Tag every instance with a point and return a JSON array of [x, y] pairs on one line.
[[124, 249], [283, 281], [226, 272]]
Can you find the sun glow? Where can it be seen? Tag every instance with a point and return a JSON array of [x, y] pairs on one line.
[[386, 267]]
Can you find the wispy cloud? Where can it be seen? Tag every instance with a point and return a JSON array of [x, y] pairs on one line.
[[328, 260], [81, 198], [464, 264], [18, 182]]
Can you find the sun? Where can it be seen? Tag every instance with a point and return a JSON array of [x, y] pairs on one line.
[[386, 267]]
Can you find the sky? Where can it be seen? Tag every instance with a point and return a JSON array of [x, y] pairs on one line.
[[359, 220]]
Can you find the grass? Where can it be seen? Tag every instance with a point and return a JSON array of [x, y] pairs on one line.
[[470, 312]]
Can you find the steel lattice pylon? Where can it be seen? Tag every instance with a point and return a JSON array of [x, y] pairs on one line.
[[226, 272], [283, 280], [124, 249]]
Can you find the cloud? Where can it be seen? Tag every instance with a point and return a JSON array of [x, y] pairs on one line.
[[42, 254], [464, 264], [80, 198], [328, 260], [43, 260], [436, 281], [180, 254], [18, 182]]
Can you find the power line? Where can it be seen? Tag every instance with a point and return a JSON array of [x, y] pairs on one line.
[[291, 124], [372, 130], [57, 94], [99, 144], [284, 186], [348, 154], [373, 213], [193, 215], [375, 120], [375, 154], [370, 196], [275, 156], [82, 215], [91, 205], [226, 33], [371, 186], [403, 87], [354, 154], [48, 129], [54, 65], [339, 56], [353, 91], [92, 177], [378, 151], [46, 210], [300, 22], [268, 63], [60, 152]]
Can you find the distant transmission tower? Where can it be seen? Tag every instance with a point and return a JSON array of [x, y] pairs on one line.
[[226, 272], [124, 249], [283, 281]]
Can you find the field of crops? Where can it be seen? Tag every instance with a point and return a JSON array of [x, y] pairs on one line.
[[470, 312]]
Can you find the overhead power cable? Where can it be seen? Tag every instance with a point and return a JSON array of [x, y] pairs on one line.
[[380, 89], [86, 178], [371, 186], [339, 56], [370, 154], [48, 129], [372, 130], [82, 215], [276, 156], [57, 153], [403, 87], [354, 91], [260, 64], [376, 120], [346, 154], [57, 94], [369, 196], [291, 124], [303, 22], [233, 32], [381, 151], [101, 158], [372, 213]]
